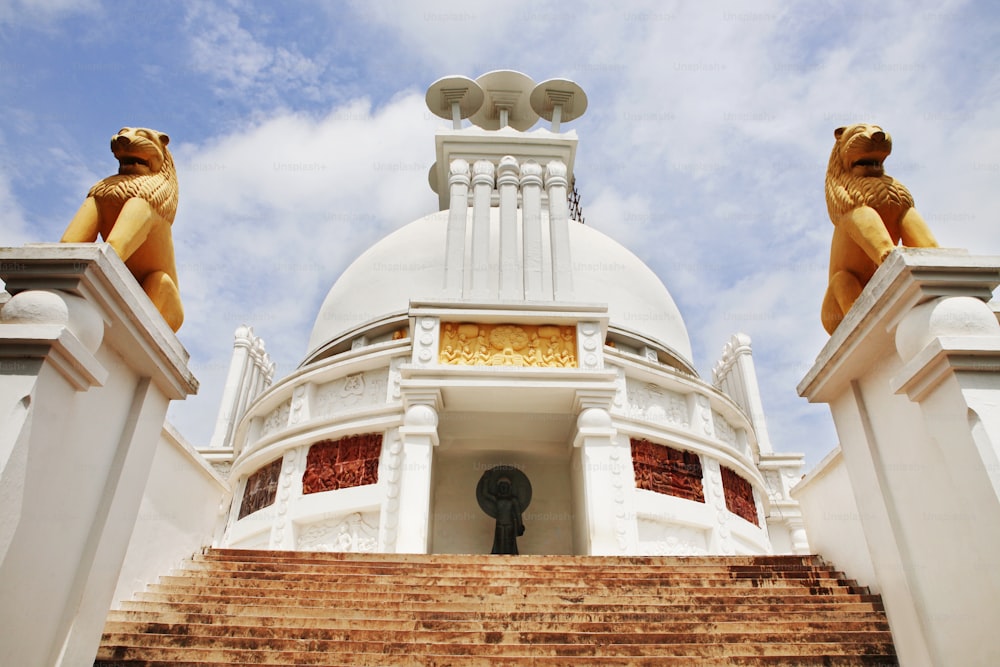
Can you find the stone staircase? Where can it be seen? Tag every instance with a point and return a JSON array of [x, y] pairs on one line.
[[238, 607]]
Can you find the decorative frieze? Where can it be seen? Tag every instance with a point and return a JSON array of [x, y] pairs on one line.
[[344, 463], [666, 470], [472, 344], [354, 533], [657, 538], [724, 431], [655, 404], [739, 496], [352, 391], [277, 420], [261, 488]]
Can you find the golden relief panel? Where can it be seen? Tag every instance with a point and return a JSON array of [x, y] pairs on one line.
[[471, 344]]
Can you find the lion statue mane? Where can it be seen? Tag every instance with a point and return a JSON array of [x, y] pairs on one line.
[[133, 211], [871, 212]]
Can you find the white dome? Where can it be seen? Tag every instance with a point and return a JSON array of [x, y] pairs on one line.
[[409, 264]]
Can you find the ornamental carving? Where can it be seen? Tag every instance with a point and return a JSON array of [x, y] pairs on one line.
[[470, 344], [261, 488], [352, 391], [355, 533], [655, 404], [739, 496], [667, 470], [341, 464]]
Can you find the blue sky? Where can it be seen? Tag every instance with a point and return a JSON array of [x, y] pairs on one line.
[[703, 150]]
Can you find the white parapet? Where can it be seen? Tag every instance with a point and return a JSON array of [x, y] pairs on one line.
[[88, 369], [912, 377]]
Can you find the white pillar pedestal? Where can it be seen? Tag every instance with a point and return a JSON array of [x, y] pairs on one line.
[[605, 497], [912, 377], [87, 369], [419, 436]]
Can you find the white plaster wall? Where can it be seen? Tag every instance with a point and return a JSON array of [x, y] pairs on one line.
[[460, 526], [832, 520], [183, 506]]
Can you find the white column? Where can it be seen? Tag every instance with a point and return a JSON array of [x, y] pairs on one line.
[[531, 222], [562, 267], [511, 283], [482, 192], [234, 393], [83, 407], [736, 375], [458, 218], [912, 377], [419, 436]]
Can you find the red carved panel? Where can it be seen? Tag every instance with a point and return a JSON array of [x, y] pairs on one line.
[[341, 464], [667, 470], [739, 496], [261, 488]]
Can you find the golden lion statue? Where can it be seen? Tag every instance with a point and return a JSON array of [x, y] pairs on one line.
[[871, 212], [133, 211]]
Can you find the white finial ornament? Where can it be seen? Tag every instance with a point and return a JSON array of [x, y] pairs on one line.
[[558, 100]]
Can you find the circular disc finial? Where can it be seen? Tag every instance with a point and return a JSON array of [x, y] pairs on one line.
[[444, 93], [507, 94], [558, 100]]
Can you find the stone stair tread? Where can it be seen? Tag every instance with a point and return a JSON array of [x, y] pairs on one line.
[[233, 628], [691, 615], [378, 660], [306, 655]]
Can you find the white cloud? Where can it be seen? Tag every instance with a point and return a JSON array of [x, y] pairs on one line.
[[270, 216], [238, 62], [37, 14]]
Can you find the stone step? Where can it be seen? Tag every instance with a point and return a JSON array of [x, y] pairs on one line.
[[560, 578], [236, 627], [300, 588], [537, 661], [398, 563], [306, 653], [519, 561], [693, 614]]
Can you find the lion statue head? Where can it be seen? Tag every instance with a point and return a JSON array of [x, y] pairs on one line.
[[133, 211], [871, 212]]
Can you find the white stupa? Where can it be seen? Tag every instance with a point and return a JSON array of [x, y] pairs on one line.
[[500, 331]]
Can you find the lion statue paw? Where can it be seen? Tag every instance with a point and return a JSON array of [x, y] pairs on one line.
[[133, 211], [871, 213]]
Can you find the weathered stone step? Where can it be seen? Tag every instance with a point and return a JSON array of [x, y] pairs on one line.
[[333, 640], [691, 614], [306, 654], [446, 577], [384, 563], [239, 627], [520, 561], [379, 660], [269, 586], [474, 599], [262, 607]]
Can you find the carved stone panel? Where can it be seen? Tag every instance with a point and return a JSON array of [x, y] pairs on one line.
[[724, 431], [739, 496], [655, 404], [352, 391], [261, 488], [664, 539], [470, 344], [357, 532], [278, 419], [341, 464], [666, 470]]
